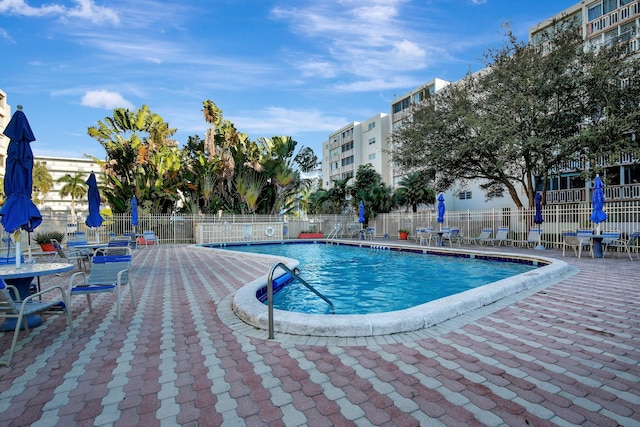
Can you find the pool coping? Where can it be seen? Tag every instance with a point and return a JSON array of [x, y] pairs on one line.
[[250, 310]]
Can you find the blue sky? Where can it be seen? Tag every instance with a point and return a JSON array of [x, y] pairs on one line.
[[275, 67]]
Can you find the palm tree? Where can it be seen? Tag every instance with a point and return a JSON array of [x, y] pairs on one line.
[[75, 187], [414, 189]]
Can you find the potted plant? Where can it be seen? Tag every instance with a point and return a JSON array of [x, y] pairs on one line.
[[43, 238], [404, 234]]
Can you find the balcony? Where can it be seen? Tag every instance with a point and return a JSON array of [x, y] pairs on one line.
[[616, 17], [612, 193]]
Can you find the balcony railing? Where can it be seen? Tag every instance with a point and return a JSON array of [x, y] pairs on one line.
[[614, 193], [613, 18]]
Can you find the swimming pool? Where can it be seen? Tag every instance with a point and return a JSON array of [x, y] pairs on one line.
[[251, 311], [373, 280]]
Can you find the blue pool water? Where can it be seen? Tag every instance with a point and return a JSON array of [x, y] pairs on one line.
[[364, 280]]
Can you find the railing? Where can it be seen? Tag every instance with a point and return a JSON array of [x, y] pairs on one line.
[[613, 18], [612, 193], [624, 215], [295, 277]]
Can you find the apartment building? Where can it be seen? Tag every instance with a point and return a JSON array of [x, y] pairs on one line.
[[401, 110], [59, 167], [5, 116], [357, 144], [603, 22]]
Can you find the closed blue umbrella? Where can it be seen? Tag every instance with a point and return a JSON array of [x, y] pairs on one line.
[[94, 219], [361, 213], [597, 203], [441, 208], [537, 218], [134, 212], [19, 212]]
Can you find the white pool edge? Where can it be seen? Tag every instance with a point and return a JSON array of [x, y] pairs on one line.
[[253, 312]]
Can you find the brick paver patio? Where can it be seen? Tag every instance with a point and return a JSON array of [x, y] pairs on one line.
[[565, 354]]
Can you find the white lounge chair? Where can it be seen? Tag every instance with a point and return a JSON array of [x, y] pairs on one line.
[[532, 238], [502, 236], [484, 237]]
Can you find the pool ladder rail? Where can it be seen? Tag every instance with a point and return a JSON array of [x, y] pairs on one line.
[[294, 276], [334, 232]]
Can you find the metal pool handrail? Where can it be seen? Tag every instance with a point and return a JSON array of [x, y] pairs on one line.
[[294, 276]]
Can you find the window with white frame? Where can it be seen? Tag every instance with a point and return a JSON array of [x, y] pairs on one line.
[[372, 156], [464, 195], [372, 141], [372, 125]]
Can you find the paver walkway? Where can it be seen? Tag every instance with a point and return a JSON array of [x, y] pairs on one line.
[[568, 354]]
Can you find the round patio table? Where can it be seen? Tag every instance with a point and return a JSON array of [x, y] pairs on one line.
[[21, 277]]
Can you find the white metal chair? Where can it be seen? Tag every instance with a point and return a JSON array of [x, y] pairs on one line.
[[608, 237], [369, 233], [425, 236], [11, 307], [576, 240], [70, 254], [110, 268], [630, 245], [150, 238], [453, 236]]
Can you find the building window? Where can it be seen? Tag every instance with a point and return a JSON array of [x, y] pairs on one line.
[[347, 161], [348, 146], [464, 195], [609, 6], [372, 156], [372, 125], [372, 141], [594, 12]]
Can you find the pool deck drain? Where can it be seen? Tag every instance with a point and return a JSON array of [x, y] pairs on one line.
[[564, 355]]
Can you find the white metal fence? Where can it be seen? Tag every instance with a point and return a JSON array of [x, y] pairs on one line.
[[622, 216]]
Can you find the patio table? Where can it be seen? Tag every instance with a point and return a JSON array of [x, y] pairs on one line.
[[21, 277]]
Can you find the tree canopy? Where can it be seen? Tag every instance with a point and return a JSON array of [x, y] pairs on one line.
[[532, 111], [225, 170]]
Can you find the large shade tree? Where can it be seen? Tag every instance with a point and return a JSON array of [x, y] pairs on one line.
[[533, 110]]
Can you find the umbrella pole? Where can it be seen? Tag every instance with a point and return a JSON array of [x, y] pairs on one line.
[[16, 237]]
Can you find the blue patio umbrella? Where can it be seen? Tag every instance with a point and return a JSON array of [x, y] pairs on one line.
[[597, 203], [537, 218], [94, 219], [134, 212], [361, 213], [441, 208], [18, 211]]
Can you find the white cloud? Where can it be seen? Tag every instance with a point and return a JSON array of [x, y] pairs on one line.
[[20, 7], [105, 99], [273, 121], [84, 9], [5, 36], [367, 39]]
